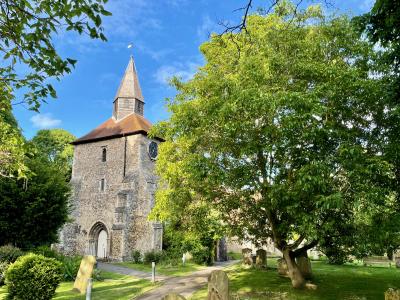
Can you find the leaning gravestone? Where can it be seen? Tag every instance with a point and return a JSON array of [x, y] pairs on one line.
[[304, 265], [261, 258], [218, 286], [84, 273], [173, 296], [282, 267], [246, 256], [392, 294]]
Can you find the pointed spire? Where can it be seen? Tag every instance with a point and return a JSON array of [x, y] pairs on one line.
[[129, 87]]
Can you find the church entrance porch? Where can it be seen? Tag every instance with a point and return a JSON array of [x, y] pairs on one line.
[[99, 241]]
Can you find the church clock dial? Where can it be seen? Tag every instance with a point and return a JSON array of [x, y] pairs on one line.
[[153, 150]]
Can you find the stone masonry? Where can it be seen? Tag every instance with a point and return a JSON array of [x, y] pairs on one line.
[[114, 184]]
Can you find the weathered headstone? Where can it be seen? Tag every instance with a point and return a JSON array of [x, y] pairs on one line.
[[246, 256], [282, 267], [218, 286], [84, 273], [173, 296], [397, 260], [392, 294], [261, 258], [304, 265]]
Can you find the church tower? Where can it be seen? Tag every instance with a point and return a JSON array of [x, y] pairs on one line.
[[114, 182]]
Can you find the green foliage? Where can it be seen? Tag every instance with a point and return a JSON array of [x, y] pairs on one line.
[[12, 144], [153, 255], [33, 277], [3, 268], [9, 253], [202, 255], [277, 134], [70, 264], [32, 211], [27, 29], [136, 256], [54, 145], [382, 27], [46, 251]]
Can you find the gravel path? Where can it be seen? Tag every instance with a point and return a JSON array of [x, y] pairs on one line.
[[184, 285]]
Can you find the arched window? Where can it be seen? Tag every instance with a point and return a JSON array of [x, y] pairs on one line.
[[104, 155]]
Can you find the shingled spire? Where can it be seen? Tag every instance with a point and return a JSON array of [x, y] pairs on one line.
[[129, 98]]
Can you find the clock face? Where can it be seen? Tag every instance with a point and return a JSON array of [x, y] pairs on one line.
[[153, 150]]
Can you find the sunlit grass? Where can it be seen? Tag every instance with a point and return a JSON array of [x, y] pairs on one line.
[[114, 286], [165, 269], [350, 282]]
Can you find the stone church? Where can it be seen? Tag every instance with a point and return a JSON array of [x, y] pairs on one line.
[[114, 183]]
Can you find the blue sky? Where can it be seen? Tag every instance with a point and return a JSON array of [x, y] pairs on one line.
[[166, 35]]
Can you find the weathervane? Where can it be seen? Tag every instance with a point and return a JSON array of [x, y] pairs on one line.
[[130, 46]]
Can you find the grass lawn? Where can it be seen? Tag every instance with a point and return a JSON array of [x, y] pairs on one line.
[[169, 270], [114, 286], [350, 282]]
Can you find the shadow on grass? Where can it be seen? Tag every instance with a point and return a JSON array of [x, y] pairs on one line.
[[346, 282]]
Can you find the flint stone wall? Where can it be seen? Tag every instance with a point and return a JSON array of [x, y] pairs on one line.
[[122, 207]]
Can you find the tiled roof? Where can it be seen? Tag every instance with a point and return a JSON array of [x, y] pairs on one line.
[[131, 124]]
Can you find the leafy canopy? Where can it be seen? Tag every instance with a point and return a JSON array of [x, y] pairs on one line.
[[54, 145], [30, 59], [274, 133]]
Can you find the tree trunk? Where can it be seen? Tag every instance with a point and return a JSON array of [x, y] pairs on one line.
[[294, 273]]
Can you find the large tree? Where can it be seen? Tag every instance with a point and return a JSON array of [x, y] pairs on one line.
[[274, 133], [32, 210], [55, 146], [30, 59]]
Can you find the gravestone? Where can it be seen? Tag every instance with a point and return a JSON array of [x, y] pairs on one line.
[[397, 260], [261, 258], [246, 256], [282, 267], [218, 286], [304, 265], [173, 296], [392, 294], [84, 273]]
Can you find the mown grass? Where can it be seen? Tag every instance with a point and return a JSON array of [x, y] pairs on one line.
[[347, 282], [165, 269], [114, 286]]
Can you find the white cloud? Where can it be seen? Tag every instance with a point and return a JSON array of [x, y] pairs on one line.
[[206, 27], [44, 121], [184, 71]]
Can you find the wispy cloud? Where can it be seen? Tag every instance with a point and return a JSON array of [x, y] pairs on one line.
[[205, 28], [185, 71], [45, 121]]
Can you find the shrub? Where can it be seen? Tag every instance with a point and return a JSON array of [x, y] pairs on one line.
[[3, 268], [48, 252], [70, 266], [10, 253], [202, 255], [153, 255], [136, 256], [97, 275], [33, 276]]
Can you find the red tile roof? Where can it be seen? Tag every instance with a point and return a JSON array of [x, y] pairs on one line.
[[131, 124]]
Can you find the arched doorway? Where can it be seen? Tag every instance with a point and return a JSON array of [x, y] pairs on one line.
[[98, 240]]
